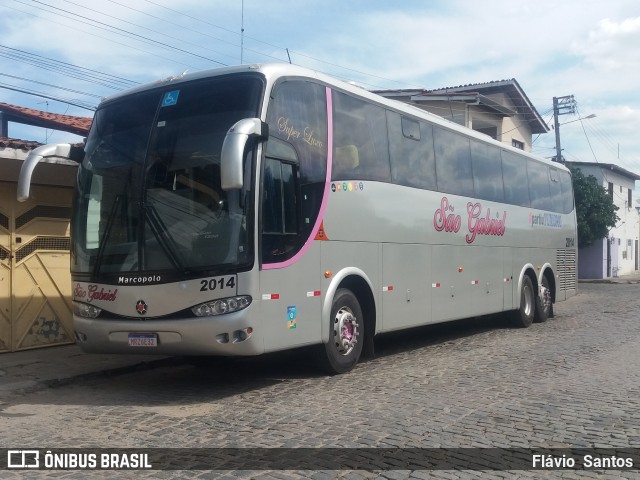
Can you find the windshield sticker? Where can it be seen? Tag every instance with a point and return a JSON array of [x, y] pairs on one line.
[[292, 315], [170, 98], [347, 187]]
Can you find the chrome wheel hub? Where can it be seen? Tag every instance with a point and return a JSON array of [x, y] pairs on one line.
[[345, 331]]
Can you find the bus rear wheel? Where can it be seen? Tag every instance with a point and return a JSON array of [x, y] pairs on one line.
[[544, 307], [346, 334], [523, 317]]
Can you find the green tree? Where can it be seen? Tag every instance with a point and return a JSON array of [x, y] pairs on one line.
[[595, 210]]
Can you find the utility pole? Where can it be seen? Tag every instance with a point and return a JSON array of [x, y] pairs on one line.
[[561, 106], [242, 34]]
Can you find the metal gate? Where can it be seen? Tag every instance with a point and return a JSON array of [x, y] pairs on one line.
[[35, 284]]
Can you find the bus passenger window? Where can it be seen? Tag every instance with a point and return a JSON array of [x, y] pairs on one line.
[[345, 160], [567, 191], [516, 191], [538, 174], [361, 150], [556, 191], [411, 152], [487, 171], [453, 162]]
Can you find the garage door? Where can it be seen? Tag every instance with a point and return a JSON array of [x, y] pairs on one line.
[[35, 284]]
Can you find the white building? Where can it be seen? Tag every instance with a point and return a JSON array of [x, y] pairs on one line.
[[618, 254]]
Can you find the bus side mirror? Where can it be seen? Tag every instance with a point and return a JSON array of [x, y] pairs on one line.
[[232, 154], [26, 171]]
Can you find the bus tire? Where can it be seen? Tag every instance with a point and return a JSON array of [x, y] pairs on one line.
[[346, 334], [523, 316], [544, 307]]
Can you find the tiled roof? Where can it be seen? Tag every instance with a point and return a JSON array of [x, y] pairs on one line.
[[510, 87], [25, 145], [55, 121]]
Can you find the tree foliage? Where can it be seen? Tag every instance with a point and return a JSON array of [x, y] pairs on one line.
[[595, 210]]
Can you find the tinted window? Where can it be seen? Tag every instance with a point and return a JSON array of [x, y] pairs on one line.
[[279, 216], [411, 151], [453, 162], [539, 192], [360, 149], [567, 191], [150, 191], [410, 128], [555, 190], [487, 171], [514, 173], [295, 167], [298, 115]]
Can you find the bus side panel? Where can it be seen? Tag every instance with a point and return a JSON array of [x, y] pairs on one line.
[[291, 303], [406, 291], [510, 279], [467, 281], [338, 255]]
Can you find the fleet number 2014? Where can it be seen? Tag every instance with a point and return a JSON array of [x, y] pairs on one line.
[[217, 283]]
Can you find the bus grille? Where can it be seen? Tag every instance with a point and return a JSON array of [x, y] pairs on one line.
[[566, 262]]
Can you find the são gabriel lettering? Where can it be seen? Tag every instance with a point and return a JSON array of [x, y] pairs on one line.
[[479, 221]]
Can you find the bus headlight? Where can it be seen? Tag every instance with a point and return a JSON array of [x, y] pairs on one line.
[[222, 306], [86, 310]]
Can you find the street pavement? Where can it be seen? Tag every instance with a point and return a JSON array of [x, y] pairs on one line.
[[572, 382], [33, 369]]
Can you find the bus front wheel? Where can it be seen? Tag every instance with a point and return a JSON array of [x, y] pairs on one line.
[[523, 317], [346, 334]]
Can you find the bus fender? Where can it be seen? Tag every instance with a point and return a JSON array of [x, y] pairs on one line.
[[543, 270], [331, 292], [526, 267], [546, 267]]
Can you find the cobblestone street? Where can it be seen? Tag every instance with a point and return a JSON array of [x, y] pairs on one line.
[[573, 381]]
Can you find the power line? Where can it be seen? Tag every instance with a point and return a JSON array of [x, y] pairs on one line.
[[42, 95], [126, 32], [85, 32], [139, 26], [67, 69], [50, 85], [284, 49]]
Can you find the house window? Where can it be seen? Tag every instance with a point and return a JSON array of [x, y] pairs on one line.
[[517, 144], [629, 198], [610, 189]]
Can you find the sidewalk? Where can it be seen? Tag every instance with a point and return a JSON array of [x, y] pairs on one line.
[[32, 370], [628, 279]]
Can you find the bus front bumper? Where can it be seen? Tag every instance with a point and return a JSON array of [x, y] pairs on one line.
[[224, 335]]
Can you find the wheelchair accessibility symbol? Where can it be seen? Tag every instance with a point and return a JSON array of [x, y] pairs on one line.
[[170, 98]]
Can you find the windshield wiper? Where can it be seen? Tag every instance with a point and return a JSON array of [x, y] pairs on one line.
[[164, 239], [105, 235]]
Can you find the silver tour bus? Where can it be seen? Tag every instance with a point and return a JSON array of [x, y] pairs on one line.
[[252, 209]]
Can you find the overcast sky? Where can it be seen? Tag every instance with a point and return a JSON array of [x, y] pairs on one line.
[[586, 48]]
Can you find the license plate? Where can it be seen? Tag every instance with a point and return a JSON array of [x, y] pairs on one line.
[[143, 340]]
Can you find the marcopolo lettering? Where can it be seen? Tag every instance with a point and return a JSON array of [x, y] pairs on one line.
[[139, 280]]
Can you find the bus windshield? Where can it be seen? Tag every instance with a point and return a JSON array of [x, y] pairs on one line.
[[149, 197]]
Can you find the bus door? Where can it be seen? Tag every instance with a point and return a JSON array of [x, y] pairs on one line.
[[289, 279]]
